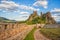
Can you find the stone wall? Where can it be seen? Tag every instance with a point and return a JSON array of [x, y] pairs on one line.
[[52, 26], [10, 31]]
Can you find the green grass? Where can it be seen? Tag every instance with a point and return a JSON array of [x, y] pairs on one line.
[[52, 33], [30, 35]]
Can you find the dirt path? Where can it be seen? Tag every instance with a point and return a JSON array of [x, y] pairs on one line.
[[39, 36]]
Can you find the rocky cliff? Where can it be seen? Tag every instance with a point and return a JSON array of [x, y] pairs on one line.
[[48, 18], [43, 18], [32, 16]]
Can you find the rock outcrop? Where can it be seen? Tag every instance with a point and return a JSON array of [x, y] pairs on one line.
[[45, 18], [48, 18], [32, 16]]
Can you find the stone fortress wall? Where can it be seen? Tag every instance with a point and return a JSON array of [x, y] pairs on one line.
[[8, 30], [8, 26]]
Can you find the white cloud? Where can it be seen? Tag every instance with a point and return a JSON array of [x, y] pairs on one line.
[[21, 17], [23, 12], [5, 0], [12, 6], [55, 10], [8, 6], [28, 8], [42, 3], [56, 16]]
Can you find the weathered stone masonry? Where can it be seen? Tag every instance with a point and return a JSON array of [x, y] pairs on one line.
[[8, 30]]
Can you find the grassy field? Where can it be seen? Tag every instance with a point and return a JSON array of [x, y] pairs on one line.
[[52, 33], [30, 36]]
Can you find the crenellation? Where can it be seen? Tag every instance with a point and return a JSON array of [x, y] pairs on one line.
[[8, 29], [7, 26]]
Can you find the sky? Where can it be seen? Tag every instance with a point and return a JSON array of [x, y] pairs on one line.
[[20, 10]]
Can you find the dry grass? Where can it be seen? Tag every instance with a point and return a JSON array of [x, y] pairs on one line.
[[52, 33]]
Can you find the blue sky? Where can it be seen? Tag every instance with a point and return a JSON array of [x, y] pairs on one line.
[[21, 9]]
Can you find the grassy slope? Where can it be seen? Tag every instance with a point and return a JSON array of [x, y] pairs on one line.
[[30, 36], [52, 33]]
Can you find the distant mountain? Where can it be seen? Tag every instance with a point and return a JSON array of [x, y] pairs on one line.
[[2, 19], [43, 18]]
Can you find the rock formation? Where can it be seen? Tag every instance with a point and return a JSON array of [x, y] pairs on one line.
[[49, 19], [45, 18], [32, 16]]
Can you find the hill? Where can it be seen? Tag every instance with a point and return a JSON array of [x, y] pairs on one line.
[[2, 19]]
